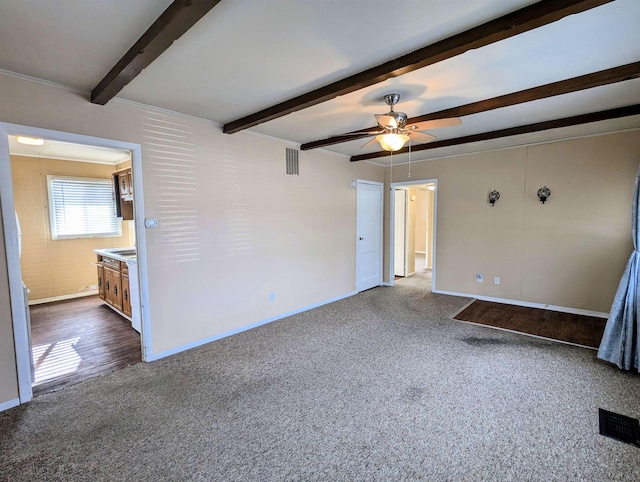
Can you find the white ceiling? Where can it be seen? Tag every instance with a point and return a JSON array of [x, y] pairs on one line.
[[244, 56]]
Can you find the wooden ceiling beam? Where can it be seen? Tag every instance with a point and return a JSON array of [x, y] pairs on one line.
[[575, 84], [514, 23], [514, 131], [179, 17]]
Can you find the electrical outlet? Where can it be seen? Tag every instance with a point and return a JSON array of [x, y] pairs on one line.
[[496, 280], [479, 278]]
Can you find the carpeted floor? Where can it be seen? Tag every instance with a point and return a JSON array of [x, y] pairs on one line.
[[379, 386]]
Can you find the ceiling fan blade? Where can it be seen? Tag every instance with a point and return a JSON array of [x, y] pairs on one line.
[[435, 124], [421, 137], [367, 132], [369, 142], [386, 121]]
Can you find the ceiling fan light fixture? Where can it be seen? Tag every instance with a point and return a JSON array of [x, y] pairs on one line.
[[392, 142]]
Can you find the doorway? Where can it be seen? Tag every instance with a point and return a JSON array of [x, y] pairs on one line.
[[412, 236], [66, 351]]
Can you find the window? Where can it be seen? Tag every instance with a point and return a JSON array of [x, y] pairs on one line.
[[82, 208]]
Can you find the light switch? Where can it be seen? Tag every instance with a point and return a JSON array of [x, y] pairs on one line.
[[151, 223]]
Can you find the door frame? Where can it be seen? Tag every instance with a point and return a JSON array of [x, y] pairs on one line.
[[405, 234], [358, 182], [392, 223], [20, 329]]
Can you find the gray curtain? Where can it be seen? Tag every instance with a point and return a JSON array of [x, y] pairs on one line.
[[621, 335]]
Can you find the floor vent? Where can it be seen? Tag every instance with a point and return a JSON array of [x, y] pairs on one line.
[[292, 162], [620, 427]]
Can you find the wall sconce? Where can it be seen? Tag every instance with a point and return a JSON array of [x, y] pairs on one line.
[[543, 193], [493, 197]]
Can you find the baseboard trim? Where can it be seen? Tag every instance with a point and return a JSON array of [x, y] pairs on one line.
[[63, 297], [9, 404], [188, 346], [528, 304]]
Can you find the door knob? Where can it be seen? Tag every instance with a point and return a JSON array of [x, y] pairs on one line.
[[361, 239]]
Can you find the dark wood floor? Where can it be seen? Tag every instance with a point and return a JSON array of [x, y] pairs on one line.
[[577, 329], [79, 339]]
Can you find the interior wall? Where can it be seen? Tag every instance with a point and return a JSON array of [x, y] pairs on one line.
[[61, 267], [569, 252], [239, 241]]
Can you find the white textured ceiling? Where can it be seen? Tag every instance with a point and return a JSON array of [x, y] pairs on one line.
[[244, 56]]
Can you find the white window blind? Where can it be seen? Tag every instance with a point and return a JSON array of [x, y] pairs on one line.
[[82, 208]]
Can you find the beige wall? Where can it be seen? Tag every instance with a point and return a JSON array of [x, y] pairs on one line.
[[569, 252], [233, 227], [55, 268]]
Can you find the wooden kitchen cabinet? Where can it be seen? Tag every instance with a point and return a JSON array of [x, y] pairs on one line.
[[110, 283], [126, 295], [126, 187], [123, 193], [113, 287], [100, 280]]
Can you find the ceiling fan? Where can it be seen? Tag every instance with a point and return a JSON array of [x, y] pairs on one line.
[[394, 132]]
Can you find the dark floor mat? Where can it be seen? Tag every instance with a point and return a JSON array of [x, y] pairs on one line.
[[576, 329], [619, 427]]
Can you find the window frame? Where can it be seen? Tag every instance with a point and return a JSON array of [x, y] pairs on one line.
[[55, 236]]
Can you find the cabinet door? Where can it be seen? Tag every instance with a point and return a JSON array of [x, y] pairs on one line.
[[108, 282], [126, 297], [129, 183], [113, 287], [125, 184], [101, 281]]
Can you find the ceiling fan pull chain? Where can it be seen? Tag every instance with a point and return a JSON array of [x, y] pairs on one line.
[[409, 158]]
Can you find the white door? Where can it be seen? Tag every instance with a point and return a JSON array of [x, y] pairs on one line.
[[369, 234], [400, 234]]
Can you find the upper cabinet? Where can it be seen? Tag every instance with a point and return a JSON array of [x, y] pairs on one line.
[[123, 193], [126, 186]]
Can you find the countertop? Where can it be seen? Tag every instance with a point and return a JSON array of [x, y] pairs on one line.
[[121, 254]]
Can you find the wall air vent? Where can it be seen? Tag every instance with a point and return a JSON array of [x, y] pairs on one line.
[[292, 162]]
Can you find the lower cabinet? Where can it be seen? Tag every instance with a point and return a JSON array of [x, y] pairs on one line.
[[126, 295], [113, 283], [101, 279], [113, 287]]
